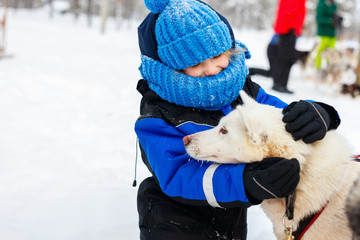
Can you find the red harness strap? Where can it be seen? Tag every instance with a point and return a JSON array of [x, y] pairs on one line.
[[311, 222], [307, 222]]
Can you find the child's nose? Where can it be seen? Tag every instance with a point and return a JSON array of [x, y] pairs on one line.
[[211, 72], [211, 68]]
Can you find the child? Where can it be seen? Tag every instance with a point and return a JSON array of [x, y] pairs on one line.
[[193, 70]]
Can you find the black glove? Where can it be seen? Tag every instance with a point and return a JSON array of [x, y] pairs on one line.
[[274, 177], [306, 120]]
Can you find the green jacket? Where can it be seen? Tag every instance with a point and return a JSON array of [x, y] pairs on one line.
[[325, 12]]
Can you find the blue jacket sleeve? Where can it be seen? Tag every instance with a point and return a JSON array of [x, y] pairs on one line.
[[264, 98], [182, 177]]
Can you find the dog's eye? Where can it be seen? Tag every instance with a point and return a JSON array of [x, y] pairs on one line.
[[223, 130]]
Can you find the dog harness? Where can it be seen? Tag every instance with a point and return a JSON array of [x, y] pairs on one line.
[[306, 222]]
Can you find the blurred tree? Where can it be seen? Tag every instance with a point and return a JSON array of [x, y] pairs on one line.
[[3, 28], [104, 14], [89, 12], [253, 14], [75, 8], [258, 14]]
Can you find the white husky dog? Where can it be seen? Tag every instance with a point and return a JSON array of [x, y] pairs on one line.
[[255, 131]]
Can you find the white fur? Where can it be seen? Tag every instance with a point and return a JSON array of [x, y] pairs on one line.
[[339, 68], [255, 131]]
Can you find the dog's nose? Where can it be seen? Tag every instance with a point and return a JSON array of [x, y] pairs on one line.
[[186, 140]]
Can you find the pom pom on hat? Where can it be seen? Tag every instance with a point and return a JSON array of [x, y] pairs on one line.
[[156, 6]]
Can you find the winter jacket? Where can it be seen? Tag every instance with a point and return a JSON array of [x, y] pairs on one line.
[[290, 15], [161, 128], [325, 14]]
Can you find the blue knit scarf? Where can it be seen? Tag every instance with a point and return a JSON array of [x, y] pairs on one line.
[[208, 93]]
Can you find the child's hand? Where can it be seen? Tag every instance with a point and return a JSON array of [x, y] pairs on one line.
[[306, 120], [274, 177]]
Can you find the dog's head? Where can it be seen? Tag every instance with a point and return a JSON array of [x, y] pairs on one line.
[[249, 133], [332, 55]]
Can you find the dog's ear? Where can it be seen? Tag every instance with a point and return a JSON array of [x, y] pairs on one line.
[[247, 100], [253, 127]]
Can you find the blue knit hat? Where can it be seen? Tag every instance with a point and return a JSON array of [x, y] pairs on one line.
[[188, 32]]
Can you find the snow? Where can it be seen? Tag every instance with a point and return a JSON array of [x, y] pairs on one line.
[[67, 147]]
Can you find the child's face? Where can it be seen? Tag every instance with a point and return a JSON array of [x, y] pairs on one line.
[[209, 67]]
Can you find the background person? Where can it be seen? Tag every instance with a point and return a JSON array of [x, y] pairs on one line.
[[281, 50], [327, 20]]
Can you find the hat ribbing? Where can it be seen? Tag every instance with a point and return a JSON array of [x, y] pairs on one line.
[[188, 32]]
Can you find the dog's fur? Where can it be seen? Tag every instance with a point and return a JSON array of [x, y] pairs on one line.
[[353, 209], [303, 60], [337, 63], [306, 62], [255, 131], [353, 90], [339, 68]]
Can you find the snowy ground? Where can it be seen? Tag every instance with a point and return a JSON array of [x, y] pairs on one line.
[[67, 146]]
